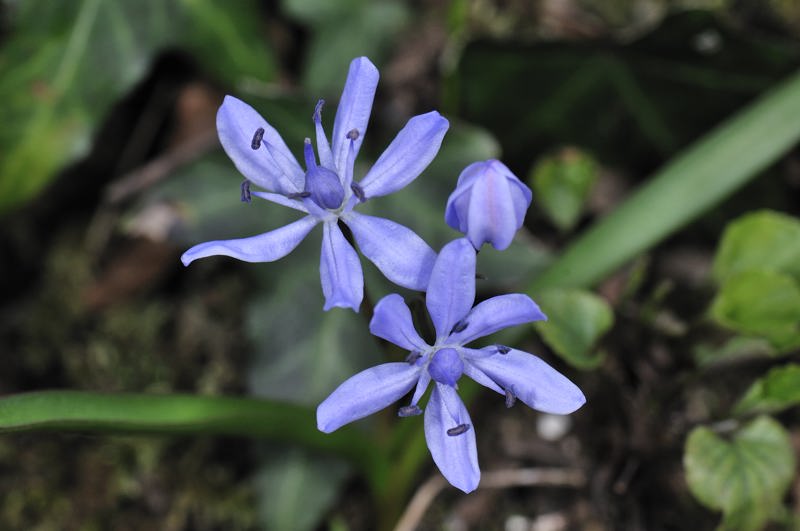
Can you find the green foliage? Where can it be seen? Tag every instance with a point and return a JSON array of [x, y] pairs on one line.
[[761, 303], [561, 185], [736, 347], [745, 477], [66, 63], [344, 30], [764, 240], [778, 390], [576, 320]]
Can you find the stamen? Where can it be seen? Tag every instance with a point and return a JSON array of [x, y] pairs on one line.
[[502, 349], [246, 197], [480, 276], [511, 398], [409, 411], [458, 430], [257, 137], [358, 192], [352, 134], [459, 327], [299, 195], [412, 358], [317, 116], [308, 153]]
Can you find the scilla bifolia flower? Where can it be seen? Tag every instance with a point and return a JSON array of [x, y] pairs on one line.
[[488, 204], [448, 429], [327, 193]]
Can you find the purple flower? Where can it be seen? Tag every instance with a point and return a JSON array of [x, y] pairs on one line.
[[448, 429], [488, 204], [327, 193]]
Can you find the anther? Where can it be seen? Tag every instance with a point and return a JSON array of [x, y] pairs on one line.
[[358, 191], [409, 411], [257, 137], [458, 430], [502, 349], [412, 358], [299, 195], [352, 134], [480, 276], [511, 398], [246, 198], [459, 327]]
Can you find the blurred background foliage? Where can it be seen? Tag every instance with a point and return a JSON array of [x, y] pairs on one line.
[[110, 167]]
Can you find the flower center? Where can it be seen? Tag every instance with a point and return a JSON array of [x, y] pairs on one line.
[[446, 366], [322, 184]]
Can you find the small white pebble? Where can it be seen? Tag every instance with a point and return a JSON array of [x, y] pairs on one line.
[[552, 427]]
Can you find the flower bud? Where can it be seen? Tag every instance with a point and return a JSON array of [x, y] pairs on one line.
[[488, 204]]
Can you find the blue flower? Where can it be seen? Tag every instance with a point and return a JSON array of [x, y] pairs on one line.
[[488, 204], [448, 429], [327, 193]]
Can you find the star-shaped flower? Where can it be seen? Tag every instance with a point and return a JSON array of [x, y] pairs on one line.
[[327, 193], [514, 374]]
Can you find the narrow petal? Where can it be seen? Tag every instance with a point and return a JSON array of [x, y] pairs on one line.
[[422, 386], [401, 255], [237, 123], [451, 291], [392, 321], [458, 202], [340, 270], [497, 313], [323, 147], [354, 109], [365, 393], [455, 455], [532, 381], [478, 375], [281, 200], [492, 216], [266, 247], [407, 156]]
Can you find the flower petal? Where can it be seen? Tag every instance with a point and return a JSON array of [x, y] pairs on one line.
[[365, 393], [266, 247], [532, 381], [455, 455], [281, 200], [340, 270], [451, 291], [237, 123], [354, 109], [407, 156], [401, 255], [497, 313], [392, 321], [492, 216]]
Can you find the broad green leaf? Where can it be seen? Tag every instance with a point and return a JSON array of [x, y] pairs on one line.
[[778, 390], [765, 240], [745, 477], [561, 185], [576, 320], [66, 63], [761, 303], [296, 488], [735, 347]]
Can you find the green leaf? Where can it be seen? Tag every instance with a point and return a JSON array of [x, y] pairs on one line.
[[561, 185], [736, 347], [778, 390], [66, 63], [761, 303], [746, 477], [576, 320], [765, 240], [671, 198]]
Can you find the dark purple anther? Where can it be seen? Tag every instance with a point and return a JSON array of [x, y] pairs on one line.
[[458, 430], [480, 276], [412, 358], [256, 142], [246, 198], [352, 134], [502, 349], [459, 327], [358, 192], [511, 398], [409, 411]]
